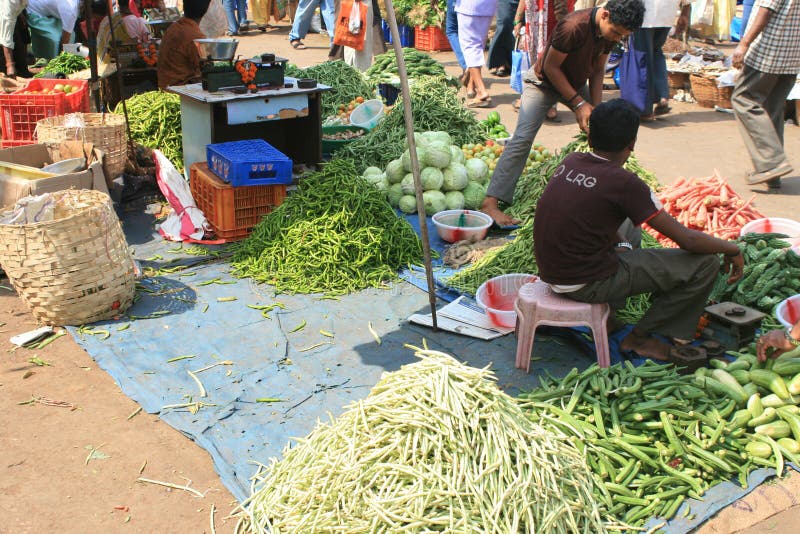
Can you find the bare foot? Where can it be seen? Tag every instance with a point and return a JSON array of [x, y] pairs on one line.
[[645, 345], [490, 208]]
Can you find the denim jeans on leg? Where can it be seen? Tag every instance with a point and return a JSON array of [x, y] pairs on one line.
[[302, 18], [236, 13], [451, 30]]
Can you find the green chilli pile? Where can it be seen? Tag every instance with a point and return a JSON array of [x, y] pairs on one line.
[[435, 447], [155, 122], [64, 63], [336, 234], [434, 106], [652, 437], [771, 273], [346, 83]]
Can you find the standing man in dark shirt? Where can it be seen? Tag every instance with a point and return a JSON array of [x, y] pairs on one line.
[[581, 253], [178, 57], [576, 52]]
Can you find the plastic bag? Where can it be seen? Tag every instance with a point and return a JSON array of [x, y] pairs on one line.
[[342, 36], [703, 12], [520, 62], [186, 222], [214, 23], [354, 24]]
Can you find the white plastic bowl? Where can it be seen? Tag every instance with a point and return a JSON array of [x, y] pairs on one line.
[[451, 228], [497, 296], [367, 114], [788, 311], [772, 224]]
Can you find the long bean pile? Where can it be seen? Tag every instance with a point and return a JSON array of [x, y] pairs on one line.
[[336, 234], [155, 121], [771, 273], [435, 447], [346, 83], [654, 438], [434, 107]]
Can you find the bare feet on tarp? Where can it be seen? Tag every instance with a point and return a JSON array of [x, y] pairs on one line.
[[645, 345], [490, 208]]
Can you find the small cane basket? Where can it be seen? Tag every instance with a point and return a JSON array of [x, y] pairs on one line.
[[105, 131], [707, 94], [75, 269]]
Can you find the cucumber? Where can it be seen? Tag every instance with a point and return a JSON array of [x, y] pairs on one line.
[[759, 449], [775, 429], [771, 381], [767, 416]]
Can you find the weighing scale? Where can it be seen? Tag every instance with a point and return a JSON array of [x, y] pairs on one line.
[[732, 325], [221, 75]]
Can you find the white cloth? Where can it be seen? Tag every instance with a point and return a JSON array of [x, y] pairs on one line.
[[660, 13], [9, 11], [472, 33], [64, 10], [362, 59]]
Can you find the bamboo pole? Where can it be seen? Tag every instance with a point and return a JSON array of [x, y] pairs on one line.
[[412, 148]]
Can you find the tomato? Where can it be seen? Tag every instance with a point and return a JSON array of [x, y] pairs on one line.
[[489, 143]]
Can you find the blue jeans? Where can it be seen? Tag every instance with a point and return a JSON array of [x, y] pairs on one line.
[[451, 30], [302, 18], [236, 11]]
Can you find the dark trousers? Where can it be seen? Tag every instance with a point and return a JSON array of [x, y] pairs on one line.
[[503, 41]]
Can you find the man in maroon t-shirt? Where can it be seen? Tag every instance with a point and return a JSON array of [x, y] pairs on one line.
[[582, 234], [576, 53]]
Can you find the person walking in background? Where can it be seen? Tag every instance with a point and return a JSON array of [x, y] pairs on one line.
[[373, 41], [236, 11], [302, 20], [503, 41], [659, 17], [576, 53], [474, 18], [540, 18], [51, 23], [451, 31], [9, 11], [769, 57]]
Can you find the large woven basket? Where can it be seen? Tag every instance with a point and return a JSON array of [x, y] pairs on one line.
[[677, 80], [75, 269], [707, 94], [105, 131]]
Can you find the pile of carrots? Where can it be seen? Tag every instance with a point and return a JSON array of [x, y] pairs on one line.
[[707, 204]]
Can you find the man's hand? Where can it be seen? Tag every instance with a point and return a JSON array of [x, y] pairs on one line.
[[735, 266], [582, 114], [738, 55], [774, 339]]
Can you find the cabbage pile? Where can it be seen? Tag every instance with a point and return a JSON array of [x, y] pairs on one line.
[[450, 181]]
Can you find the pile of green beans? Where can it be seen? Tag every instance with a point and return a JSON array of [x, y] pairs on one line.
[[64, 63], [434, 108], [155, 122], [336, 234], [346, 83], [435, 447], [652, 437]]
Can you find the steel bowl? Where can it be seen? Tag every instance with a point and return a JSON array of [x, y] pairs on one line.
[[216, 49]]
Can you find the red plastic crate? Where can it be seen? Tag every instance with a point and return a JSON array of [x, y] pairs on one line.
[[431, 39], [232, 211], [20, 110], [9, 143]]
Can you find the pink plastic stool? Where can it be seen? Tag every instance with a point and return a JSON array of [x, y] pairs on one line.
[[537, 304]]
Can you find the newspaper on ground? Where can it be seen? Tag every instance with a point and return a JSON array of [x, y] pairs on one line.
[[463, 316]]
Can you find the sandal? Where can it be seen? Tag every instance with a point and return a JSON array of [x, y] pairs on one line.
[[662, 109], [515, 104], [502, 71], [297, 44], [480, 102]]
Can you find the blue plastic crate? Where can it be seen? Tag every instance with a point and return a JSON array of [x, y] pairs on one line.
[[249, 162], [406, 36], [387, 32]]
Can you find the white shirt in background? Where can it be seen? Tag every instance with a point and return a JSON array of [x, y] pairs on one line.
[[65, 10]]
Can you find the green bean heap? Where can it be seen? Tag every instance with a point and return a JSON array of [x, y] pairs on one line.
[[155, 121], [435, 447], [434, 106], [652, 437], [336, 234], [346, 83]]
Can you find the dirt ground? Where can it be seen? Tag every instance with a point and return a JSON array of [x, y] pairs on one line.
[[75, 469]]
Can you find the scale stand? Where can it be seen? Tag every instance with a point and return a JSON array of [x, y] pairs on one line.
[[732, 325]]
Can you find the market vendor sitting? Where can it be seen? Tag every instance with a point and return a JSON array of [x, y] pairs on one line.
[[128, 29], [179, 59], [587, 218]]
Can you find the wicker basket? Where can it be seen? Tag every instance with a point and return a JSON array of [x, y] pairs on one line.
[[75, 269], [105, 131], [677, 80], [707, 94]]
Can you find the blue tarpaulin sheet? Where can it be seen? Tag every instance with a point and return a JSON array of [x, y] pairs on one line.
[[271, 384]]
